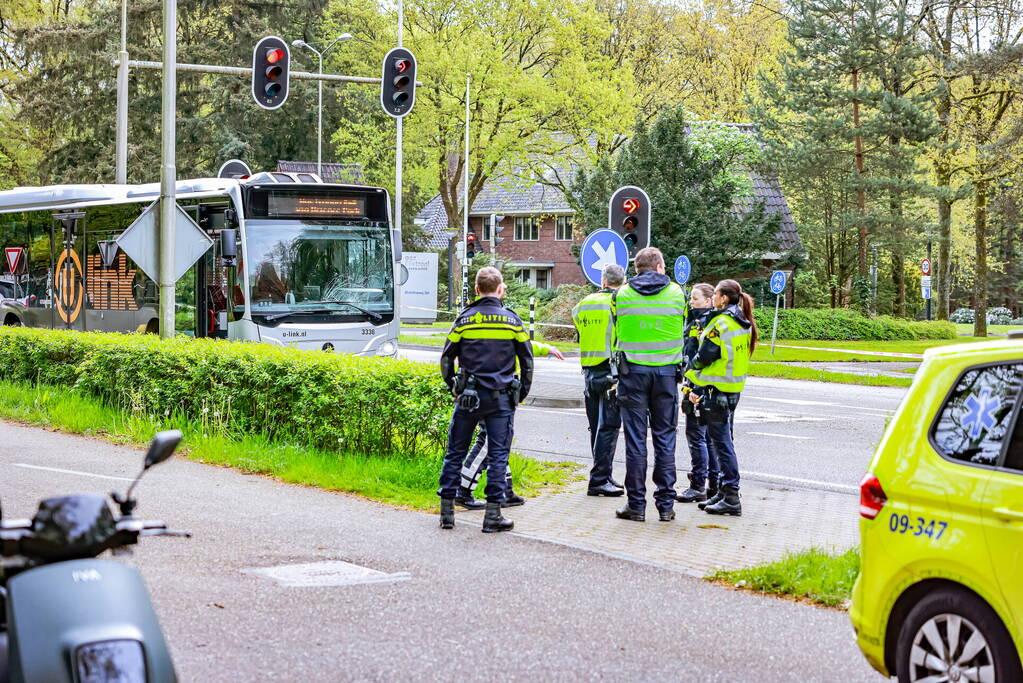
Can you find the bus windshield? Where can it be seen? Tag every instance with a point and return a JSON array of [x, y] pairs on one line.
[[309, 267]]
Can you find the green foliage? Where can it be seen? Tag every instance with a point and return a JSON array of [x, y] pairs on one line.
[[812, 574], [364, 406], [559, 311], [693, 184], [803, 323]]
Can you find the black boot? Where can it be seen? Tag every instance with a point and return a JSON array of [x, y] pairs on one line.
[[728, 505], [447, 513], [693, 494], [512, 499], [494, 522], [467, 500], [713, 496]]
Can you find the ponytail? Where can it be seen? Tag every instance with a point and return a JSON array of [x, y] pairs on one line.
[[746, 304], [733, 291]]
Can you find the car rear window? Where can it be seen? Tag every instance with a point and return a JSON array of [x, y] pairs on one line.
[[977, 416]]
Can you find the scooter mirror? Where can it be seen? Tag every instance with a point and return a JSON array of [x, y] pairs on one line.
[[162, 447]]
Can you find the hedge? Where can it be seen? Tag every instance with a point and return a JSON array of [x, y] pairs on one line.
[[369, 406], [840, 324]]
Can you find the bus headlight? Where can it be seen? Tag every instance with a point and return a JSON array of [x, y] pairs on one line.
[[387, 349], [111, 660]]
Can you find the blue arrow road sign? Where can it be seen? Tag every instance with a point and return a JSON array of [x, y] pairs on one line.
[[683, 269], [778, 278], [601, 248]]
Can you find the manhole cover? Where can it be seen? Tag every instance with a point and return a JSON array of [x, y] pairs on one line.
[[329, 573]]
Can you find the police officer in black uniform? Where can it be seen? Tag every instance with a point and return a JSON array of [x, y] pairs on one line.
[[486, 340]]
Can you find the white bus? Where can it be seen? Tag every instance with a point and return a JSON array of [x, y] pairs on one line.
[[318, 265]]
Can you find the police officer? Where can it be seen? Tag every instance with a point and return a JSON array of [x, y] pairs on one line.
[[475, 461], [720, 369], [486, 340], [592, 318], [649, 315], [704, 463]]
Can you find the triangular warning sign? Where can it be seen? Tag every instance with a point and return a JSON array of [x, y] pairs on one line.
[[13, 257]]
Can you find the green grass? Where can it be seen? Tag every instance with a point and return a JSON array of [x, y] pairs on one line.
[[783, 371], [410, 482], [967, 328], [812, 575]]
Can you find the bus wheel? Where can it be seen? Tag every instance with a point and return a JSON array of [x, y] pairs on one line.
[[153, 326], [12, 320]]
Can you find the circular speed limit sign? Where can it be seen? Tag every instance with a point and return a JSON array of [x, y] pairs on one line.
[[925, 266]]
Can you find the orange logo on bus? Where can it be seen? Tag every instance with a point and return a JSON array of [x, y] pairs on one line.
[[68, 286]]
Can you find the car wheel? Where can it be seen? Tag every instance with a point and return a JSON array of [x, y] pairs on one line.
[[954, 636]]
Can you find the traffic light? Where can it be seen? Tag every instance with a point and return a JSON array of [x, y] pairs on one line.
[[398, 82], [470, 246], [495, 224], [271, 61], [629, 215]]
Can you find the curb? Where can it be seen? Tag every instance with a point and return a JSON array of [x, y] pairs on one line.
[[552, 402]]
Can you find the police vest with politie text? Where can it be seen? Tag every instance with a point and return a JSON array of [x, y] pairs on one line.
[[729, 334], [592, 317], [650, 320]]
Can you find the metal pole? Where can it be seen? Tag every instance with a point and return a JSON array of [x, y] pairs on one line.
[[451, 273], [247, 72], [319, 120], [121, 146], [774, 332], [398, 138], [532, 316], [168, 175], [465, 212]]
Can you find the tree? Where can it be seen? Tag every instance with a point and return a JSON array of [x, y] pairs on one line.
[[693, 173]]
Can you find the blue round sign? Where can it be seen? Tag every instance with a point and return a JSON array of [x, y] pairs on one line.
[[778, 279], [683, 269], [602, 248]]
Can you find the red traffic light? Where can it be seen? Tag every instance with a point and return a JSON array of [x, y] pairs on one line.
[[274, 55], [631, 204], [471, 237], [402, 65]]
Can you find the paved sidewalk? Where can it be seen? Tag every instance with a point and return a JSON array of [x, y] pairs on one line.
[[775, 520]]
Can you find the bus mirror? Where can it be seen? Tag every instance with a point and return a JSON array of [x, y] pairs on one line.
[[228, 247]]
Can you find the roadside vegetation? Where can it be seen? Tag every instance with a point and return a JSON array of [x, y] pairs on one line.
[[812, 575]]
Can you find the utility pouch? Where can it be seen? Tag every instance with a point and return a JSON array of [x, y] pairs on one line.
[[716, 406], [623, 365], [515, 390], [680, 373]]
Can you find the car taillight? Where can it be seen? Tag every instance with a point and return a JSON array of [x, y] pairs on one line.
[[872, 497]]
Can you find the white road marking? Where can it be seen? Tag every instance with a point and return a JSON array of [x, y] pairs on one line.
[[829, 404], [81, 474], [806, 482], [783, 436]]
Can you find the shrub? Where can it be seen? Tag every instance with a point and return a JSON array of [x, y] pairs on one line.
[[559, 311], [803, 323], [963, 316], [371, 406], [1016, 321], [999, 316]]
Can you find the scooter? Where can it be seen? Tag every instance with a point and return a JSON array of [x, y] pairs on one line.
[[66, 617]]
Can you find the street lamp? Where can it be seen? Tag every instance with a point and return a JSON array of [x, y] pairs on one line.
[[319, 87]]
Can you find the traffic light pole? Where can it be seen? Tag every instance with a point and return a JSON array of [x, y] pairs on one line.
[[121, 153], [398, 136], [465, 211], [168, 169]]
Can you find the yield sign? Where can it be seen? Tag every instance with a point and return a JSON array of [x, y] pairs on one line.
[[13, 255]]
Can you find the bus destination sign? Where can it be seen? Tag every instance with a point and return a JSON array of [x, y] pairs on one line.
[[318, 205]]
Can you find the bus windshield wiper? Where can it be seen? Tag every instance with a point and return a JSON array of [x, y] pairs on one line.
[[319, 311], [372, 314]]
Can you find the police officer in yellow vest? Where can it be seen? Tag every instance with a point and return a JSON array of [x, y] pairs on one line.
[[592, 318], [720, 369], [650, 313]]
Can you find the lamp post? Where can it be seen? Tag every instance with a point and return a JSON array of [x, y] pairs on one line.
[[319, 88]]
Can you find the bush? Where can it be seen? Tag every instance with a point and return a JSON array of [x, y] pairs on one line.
[[370, 406], [559, 311], [999, 316], [963, 316], [1016, 321], [804, 323]]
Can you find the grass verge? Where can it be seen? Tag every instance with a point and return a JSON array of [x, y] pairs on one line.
[[967, 328], [783, 371], [812, 575], [409, 482]]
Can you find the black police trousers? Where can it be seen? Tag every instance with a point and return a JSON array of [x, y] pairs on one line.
[[474, 463], [497, 412], [648, 394], [604, 420]]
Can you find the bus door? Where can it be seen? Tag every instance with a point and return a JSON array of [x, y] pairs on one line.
[[67, 274], [211, 285]]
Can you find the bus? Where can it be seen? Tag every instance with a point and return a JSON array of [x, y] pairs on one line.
[[318, 264]]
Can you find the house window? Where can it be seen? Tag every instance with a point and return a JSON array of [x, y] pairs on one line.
[[563, 228], [488, 229], [543, 279], [540, 278], [527, 229]]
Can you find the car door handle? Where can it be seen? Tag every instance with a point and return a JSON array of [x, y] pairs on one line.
[[1008, 514]]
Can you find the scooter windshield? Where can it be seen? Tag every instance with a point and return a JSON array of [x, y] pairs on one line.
[[73, 521]]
